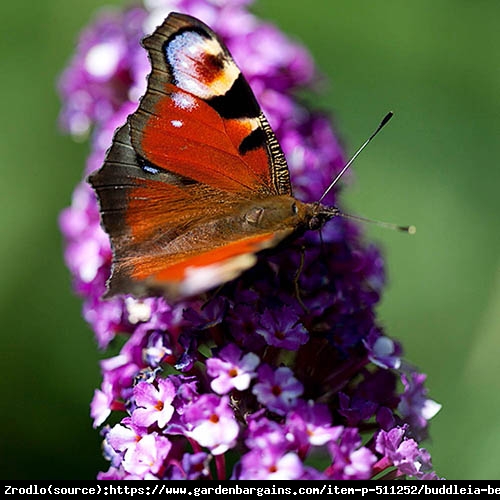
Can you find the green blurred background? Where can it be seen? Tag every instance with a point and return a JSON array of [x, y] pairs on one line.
[[434, 62]]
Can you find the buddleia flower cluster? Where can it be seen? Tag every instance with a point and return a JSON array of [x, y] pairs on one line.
[[283, 373]]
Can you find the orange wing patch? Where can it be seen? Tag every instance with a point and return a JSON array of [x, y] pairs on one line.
[[185, 135], [198, 272], [180, 270]]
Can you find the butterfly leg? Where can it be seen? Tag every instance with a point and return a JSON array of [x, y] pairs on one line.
[[296, 278]]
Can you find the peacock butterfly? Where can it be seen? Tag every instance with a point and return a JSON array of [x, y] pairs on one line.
[[195, 183]]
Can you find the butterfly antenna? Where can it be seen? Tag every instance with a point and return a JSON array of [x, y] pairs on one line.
[[388, 225], [387, 117]]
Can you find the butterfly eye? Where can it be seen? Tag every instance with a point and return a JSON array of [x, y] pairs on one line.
[[295, 210], [315, 223]]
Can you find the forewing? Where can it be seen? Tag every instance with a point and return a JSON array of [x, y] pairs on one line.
[[199, 117]]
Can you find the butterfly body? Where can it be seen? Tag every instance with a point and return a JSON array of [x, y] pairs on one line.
[[195, 183]]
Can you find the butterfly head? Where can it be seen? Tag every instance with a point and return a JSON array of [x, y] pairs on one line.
[[318, 214]]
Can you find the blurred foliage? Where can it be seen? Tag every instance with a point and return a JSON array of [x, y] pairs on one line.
[[433, 62]]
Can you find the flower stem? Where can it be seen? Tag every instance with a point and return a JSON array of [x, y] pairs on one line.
[[220, 465]]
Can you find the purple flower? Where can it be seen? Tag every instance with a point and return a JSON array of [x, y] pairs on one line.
[[263, 433], [355, 410], [272, 464], [277, 390], [383, 351], [210, 422], [208, 315], [311, 425], [120, 372], [192, 466], [415, 407], [231, 370], [101, 77], [404, 453], [243, 322], [196, 465], [267, 57], [86, 257], [274, 368], [282, 328], [270, 455], [313, 152], [113, 474], [154, 404], [349, 459], [143, 453], [146, 457], [157, 348], [100, 408], [105, 317]]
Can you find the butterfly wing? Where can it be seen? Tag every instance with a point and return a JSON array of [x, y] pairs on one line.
[[199, 116], [182, 184]]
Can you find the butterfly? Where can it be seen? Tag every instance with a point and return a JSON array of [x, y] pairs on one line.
[[195, 182]]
